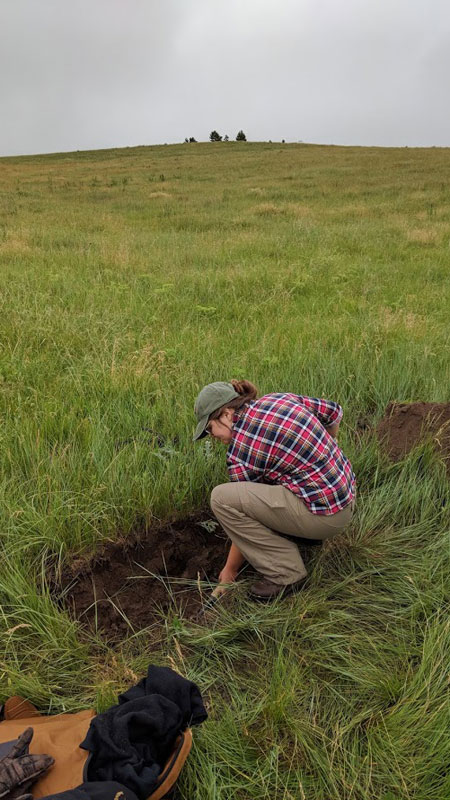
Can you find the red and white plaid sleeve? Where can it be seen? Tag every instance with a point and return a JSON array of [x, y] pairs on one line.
[[326, 411]]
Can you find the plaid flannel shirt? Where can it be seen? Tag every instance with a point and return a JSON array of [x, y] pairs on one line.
[[281, 439]]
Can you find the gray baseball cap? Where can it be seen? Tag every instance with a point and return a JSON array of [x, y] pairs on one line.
[[211, 397]]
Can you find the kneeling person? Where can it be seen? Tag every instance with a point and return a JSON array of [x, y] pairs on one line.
[[287, 475]]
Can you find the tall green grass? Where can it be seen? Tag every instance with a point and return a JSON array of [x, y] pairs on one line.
[[128, 280]]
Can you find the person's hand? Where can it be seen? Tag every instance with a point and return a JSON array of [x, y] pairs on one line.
[[226, 576]]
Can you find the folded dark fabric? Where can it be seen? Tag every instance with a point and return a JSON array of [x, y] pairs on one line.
[[132, 741], [129, 743], [167, 683], [95, 790]]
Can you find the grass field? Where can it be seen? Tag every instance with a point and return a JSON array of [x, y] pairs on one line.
[[129, 279]]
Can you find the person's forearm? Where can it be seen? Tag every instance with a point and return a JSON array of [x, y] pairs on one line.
[[229, 573], [235, 560]]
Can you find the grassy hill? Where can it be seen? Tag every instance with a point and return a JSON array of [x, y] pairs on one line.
[[129, 279]]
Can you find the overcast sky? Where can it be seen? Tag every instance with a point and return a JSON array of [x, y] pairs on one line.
[[83, 74]]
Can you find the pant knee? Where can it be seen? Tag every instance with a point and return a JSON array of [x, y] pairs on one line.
[[224, 494]]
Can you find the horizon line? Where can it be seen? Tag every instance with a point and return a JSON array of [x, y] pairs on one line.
[[230, 141]]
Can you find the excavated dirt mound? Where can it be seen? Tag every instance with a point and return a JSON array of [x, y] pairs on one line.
[[133, 580], [407, 424]]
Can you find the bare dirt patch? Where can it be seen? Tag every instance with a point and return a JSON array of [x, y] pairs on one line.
[[124, 586], [407, 424], [130, 584]]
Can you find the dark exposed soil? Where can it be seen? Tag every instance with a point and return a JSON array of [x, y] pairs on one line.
[[119, 583], [123, 587], [407, 424]]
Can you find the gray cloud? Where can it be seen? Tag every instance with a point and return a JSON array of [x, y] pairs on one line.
[[102, 73]]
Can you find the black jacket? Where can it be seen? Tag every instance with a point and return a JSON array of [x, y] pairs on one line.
[[131, 741]]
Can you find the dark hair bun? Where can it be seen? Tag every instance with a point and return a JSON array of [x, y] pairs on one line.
[[245, 388]]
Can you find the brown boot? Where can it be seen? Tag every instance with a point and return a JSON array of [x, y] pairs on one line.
[[266, 590]]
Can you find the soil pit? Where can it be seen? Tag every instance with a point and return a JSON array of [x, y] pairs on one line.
[[125, 586], [407, 424], [134, 579]]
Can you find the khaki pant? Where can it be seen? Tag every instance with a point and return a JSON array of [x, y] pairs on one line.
[[252, 513]]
